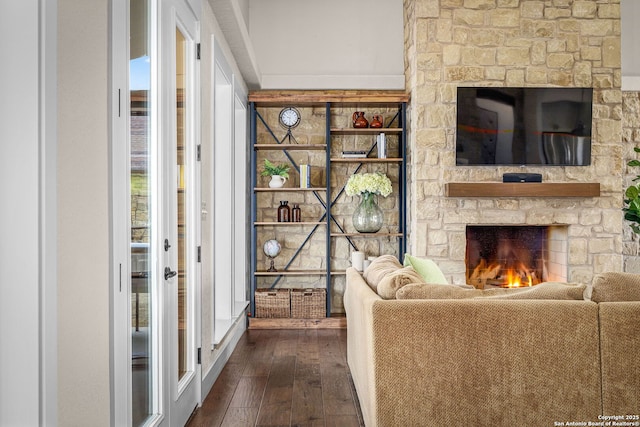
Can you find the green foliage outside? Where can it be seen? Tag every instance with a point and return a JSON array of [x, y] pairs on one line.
[[632, 199]]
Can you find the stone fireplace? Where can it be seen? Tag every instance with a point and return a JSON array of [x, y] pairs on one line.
[[515, 255], [488, 43]]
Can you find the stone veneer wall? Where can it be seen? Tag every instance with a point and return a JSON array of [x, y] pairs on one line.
[[449, 43]]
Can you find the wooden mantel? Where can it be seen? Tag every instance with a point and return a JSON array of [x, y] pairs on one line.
[[522, 189]]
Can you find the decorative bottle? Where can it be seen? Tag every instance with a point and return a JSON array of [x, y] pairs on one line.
[[295, 213], [358, 120], [376, 121], [284, 212]]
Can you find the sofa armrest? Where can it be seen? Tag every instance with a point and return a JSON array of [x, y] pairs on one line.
[[620, 347], [358, 302]]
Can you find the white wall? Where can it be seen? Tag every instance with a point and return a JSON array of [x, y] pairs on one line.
[[83, 214], [330, 44], [630, 15], [210, 31], [27, 214]]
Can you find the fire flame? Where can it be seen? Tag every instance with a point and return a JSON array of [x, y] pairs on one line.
[[514, 280], [496, 274]]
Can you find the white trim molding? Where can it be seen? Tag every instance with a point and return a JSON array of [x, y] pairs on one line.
[[28, 223], [355, 82]]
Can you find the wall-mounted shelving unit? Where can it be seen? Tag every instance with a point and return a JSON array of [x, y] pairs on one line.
[[318, 248]]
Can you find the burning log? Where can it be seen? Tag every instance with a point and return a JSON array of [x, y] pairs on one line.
[[482, 273], [498, 275]]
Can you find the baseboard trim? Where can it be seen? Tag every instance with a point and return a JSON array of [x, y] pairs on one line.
[[224, 350]]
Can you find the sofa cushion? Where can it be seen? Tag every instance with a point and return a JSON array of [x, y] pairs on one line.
[[426, 268], [612, 287], [395, 280], [379, 268], [436, 291], [546, 290]]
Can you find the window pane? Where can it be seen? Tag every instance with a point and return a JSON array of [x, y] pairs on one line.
[[182, 214]]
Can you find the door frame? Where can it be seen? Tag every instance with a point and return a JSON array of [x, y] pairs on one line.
[[120, 357]]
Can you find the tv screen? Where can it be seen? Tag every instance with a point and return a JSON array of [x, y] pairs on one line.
[[524, 126]]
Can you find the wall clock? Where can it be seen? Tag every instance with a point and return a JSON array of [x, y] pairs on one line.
[[289, 117]]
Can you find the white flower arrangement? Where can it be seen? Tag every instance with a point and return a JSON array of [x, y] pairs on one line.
[[375, 183]]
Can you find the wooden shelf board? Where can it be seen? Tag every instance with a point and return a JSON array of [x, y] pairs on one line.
[[289, 223], [290, 147], [366, 160], [291, 273], [522, 189], [289, 189], [334, 322], [366, 234], [355, 131], [280, 97]]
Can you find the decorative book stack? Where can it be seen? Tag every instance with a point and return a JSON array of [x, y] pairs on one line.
[[305, 176], [354, 154], [381, 142]]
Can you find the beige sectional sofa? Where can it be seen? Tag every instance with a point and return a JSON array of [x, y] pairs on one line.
[[491, 361]]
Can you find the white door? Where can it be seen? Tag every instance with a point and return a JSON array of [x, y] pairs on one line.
[[181, 188]]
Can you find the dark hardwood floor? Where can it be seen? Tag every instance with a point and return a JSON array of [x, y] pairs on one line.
[[284, 378]]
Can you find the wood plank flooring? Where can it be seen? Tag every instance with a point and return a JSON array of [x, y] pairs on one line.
[[284, 378]]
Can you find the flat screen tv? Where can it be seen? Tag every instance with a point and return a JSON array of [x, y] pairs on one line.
[[524, 126]]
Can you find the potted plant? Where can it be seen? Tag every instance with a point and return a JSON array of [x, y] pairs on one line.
[[632, 199], [278, 173]]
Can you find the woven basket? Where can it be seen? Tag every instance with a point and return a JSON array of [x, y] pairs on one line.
[[308, 303], [273, 303]]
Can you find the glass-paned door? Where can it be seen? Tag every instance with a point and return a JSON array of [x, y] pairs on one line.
[[181, 200], [143, 188]]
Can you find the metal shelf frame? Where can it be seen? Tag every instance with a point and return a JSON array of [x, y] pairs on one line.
[[397, 125]]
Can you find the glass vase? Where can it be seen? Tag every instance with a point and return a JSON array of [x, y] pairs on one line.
[[368, 217]]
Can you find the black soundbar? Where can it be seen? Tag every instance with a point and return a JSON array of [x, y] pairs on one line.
[[522, 177]]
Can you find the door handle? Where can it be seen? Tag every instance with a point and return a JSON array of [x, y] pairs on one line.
[[168, 273]]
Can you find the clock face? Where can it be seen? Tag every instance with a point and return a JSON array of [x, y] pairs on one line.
[[289, 117]]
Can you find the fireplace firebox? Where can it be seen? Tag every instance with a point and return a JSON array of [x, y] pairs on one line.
[[515, 255]]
